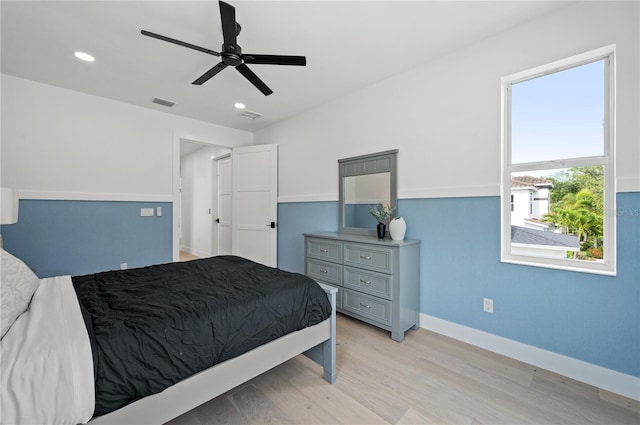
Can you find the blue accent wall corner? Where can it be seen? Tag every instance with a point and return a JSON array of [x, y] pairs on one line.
[[590, 317], [297, 218]]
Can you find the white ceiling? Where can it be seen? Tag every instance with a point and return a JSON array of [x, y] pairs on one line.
[[348, 45]]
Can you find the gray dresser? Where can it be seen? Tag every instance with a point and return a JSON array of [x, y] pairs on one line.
[[378, 281]]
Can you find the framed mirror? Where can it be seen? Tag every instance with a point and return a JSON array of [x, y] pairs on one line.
[[365, 181]]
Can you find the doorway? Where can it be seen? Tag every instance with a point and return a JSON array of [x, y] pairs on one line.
[[198, 203], [254, 172]]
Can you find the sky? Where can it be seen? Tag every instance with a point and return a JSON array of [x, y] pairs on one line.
[[559, 115]]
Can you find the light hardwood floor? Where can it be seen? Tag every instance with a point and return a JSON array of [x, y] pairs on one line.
[[185, 256], [426, 379]]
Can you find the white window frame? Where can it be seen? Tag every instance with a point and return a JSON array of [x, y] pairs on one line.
[[608, 265]]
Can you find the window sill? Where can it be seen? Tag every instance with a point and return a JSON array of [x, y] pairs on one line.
[[580, 266]]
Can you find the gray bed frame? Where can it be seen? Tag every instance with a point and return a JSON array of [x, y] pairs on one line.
[[317, 342]]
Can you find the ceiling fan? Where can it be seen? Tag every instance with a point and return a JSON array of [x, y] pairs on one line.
[[232, 53]]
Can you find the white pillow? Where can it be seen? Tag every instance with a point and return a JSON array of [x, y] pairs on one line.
[[17, 285]]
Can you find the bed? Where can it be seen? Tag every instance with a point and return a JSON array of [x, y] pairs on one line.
[[146, 345]]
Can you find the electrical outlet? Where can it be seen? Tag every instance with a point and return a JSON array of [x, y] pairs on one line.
[[123, 266], [487, 304]]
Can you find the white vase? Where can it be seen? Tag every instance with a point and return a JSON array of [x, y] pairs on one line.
[[397, 228]]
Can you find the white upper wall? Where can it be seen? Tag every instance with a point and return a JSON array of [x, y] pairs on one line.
[[444, 117], [58, 140]]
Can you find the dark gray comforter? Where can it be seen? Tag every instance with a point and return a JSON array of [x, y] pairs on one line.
[[152, 327]]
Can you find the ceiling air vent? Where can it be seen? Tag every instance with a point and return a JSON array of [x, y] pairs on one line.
[[250, 115], [163, 102]]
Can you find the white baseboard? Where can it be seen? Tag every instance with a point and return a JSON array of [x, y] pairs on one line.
[[598, 376], [196, 252]]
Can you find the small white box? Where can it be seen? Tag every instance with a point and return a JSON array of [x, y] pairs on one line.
[[146, 212]]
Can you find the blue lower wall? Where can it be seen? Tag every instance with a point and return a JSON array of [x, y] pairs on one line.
[[56, 237], [294, 219], [589, 317]]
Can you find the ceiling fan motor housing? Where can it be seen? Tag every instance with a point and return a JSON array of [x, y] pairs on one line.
[[231, 54]]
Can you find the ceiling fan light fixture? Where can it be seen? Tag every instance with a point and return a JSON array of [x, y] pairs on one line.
[[84, 56], [239, 105]]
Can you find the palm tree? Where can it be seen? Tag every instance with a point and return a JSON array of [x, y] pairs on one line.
[[577, 213]]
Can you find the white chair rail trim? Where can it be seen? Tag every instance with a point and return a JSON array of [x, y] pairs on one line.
[[93, 196]]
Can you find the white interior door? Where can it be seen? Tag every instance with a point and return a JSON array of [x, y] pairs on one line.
[[223, 216], [255, 203]]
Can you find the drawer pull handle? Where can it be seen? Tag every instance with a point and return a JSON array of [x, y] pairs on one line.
[[323, 271], [364, 305], [365, 257], [324, 250], [368, 282]]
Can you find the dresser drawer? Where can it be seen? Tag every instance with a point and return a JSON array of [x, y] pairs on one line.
[[325, 271], [368, 256], [373, 283], [368, 306], [324, 249]]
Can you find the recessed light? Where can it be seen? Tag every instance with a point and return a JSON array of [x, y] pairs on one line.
[[240, 105], [84, 56]]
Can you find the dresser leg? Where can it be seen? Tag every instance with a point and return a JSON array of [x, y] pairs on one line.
[[417, 325], [397, 336]]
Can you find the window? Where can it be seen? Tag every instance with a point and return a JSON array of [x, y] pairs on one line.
[[558, 165]]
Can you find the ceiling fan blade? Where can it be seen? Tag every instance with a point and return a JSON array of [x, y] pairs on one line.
[[274, 59], [179, 43], [228, 18], [253, 78], [210, 73]]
